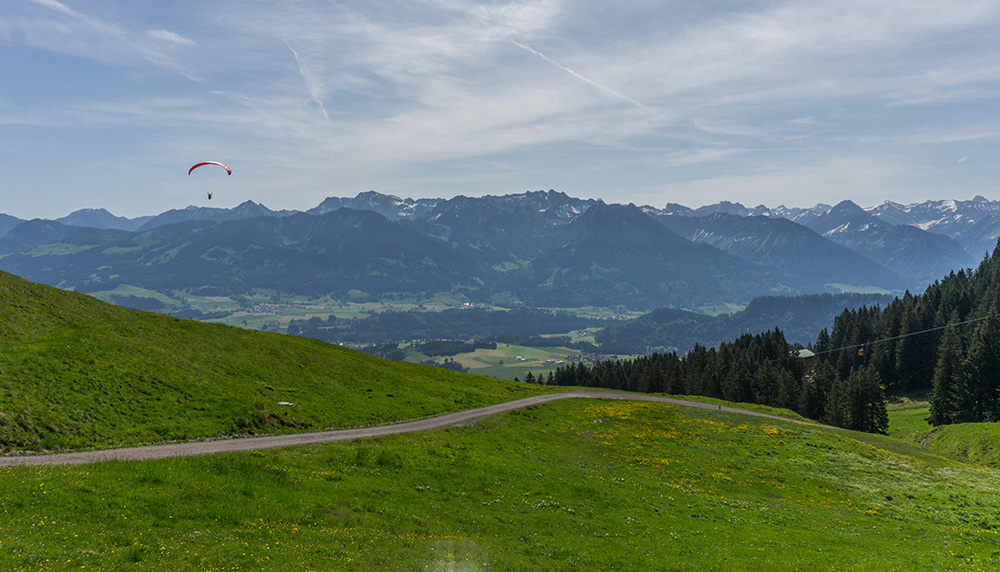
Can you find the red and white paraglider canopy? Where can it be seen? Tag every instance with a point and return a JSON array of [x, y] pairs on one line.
[[203, 163]]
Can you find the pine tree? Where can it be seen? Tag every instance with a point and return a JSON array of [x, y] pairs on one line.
[[982, 367], [815, 387], [674, 382], [883, 354], [927, 308], [712, 376], [765, 385], [822, 341], [695, 363], [651, 380], [838, 404], [912, 351], [789, 389], [949, 398], [736, 385], [564, 376], [867, 397]]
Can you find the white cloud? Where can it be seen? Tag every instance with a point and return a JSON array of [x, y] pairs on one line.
[[501, 20], [172, 37], [60, 7], [86, 36], [441, 82], [312, 75], [417, 89], [722, 127], [697, 156], [826, 181], [586, 80]]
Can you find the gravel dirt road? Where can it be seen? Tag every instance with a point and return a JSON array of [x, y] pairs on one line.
[[256, 443]]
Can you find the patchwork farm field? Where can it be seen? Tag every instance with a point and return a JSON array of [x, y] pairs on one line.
[[569, 485], [508, 361]]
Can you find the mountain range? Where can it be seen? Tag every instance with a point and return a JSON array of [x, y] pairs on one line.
[[541, 248]]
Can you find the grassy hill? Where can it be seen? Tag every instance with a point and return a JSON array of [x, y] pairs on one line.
[[571, 485], [77, 372], [969, 442]]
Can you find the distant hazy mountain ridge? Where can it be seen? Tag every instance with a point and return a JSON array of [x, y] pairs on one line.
[[974, 224], [918, 256], [540, 248]]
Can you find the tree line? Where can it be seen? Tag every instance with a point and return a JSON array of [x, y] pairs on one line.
[[762, 368], [945, 341]]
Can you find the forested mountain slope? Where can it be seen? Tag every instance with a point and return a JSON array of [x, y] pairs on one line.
[[815, 263], [334, 253], [617, 255], [946, 339], [540, 248], [798, 317], [540, 252], [917, 256]]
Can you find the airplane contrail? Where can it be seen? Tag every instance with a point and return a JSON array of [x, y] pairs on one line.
[[607, 90], [312, 86]]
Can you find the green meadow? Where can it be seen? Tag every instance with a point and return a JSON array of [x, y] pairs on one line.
[[908, 418], [578, 484], [76, 372], [968, 442], [571, 485]]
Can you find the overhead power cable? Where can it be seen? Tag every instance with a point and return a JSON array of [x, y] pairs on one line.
[[899, 337]]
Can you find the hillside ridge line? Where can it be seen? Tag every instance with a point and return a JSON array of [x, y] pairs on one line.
[[242, 444]]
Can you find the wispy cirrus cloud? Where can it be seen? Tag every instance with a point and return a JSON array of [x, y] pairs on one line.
[[448, 86], [312, 75], [585, 79], [84, 35], [661, 97], [172, 37], [60, 7], [697, 156], [827, 180]]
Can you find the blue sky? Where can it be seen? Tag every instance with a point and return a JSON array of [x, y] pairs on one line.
[[106, 104]]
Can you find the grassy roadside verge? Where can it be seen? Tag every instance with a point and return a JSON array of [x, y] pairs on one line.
[[570, 485]]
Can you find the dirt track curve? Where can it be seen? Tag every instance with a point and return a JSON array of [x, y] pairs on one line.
[[148, 452]]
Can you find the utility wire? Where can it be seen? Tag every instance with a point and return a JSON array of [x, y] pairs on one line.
[[902, 336]]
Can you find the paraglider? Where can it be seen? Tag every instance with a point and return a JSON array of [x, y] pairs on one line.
[[203, 163]]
